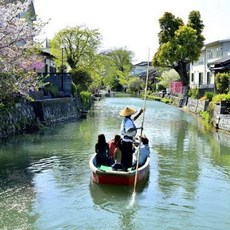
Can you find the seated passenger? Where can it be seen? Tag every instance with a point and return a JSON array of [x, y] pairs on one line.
[[112, 144], [144, 152], [102, 151], [117, 157]]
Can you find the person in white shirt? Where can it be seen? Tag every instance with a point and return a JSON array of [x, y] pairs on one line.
[[128, 132], [144, 152]]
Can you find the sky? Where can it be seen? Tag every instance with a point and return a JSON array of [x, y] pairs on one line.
[[131, 24]]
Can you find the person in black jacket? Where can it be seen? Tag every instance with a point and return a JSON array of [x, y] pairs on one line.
[[102, 150]]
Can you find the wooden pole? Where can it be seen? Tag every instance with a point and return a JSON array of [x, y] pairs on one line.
[[142, 124]]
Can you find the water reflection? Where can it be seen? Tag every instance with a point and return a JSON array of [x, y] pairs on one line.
[[179, 161], [105, 193], [220, 152], [16, 194], [45, 177], [117, 200]]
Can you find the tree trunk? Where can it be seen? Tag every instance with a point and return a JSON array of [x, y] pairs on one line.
[[182, 70]]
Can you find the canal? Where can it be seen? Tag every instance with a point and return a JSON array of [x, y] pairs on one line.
[[45, 178]]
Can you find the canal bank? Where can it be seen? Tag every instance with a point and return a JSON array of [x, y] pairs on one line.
[[29, 116], [219, 116]]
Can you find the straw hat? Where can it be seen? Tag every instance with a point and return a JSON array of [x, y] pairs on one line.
[[127, 112]]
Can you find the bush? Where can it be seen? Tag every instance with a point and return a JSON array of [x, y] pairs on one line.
[[227, 98], [160, 87], [85, 97], [222, 82], [134, 86], [166, 100], [205, 116], [52, 89], [73, 88], [219, 97], [209, 95], [193, 93], [82, 79]]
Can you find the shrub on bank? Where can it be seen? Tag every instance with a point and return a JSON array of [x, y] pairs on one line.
[[209, 95], [193, 93], [85, 97], [219, 97]]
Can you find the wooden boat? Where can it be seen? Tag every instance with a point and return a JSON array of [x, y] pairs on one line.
[[105, 174]]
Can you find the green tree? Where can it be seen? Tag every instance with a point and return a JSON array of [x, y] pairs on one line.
[[116, 67], [108, 72], [82, 79], [122, 58], [167, 77], [134, 85], [96, 71], [180, 44], [168, 25], [222, 82], [79, 45]]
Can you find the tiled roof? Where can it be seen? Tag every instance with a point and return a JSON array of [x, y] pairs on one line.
[[143, 63], [217, 42], [152, 72], [219, 61]]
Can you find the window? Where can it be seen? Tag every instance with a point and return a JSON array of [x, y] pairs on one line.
[[209, 54], [192, 77], [208, 78], [219, 51], [200, 78], [200, 61]]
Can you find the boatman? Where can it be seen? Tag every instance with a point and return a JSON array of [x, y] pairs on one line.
[[128, 132]]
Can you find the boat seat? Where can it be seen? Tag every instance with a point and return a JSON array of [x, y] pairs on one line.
[[105, 168], [108, 168]]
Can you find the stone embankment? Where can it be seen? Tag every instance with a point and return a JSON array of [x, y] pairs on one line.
[[29, 116], [219, 117]]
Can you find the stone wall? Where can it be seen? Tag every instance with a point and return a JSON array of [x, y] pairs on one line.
[[16, 120], [56, 110], [224, 122], [28, 116], [196, 106], [177, 101], [218, 119]]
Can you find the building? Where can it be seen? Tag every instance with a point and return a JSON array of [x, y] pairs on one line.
[[140, 68], [215, 57], [49, 65], [221, 65]]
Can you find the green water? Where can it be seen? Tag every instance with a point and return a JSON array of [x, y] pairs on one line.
[[45, 178]]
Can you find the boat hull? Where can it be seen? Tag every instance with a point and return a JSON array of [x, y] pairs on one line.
[[118, 177]]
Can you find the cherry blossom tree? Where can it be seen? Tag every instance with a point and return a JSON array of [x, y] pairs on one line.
[[19, 54]]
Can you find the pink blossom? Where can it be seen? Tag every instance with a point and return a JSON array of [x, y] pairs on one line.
[[16, 48]]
